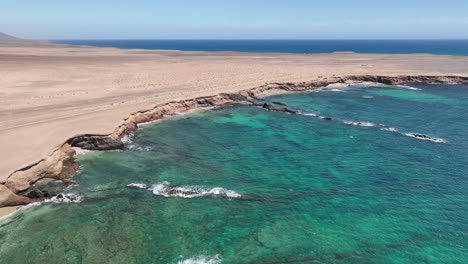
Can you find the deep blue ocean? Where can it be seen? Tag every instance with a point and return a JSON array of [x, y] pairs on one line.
[[441, 47]]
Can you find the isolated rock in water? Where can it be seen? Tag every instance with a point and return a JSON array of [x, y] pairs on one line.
[[270, 107], [280, 103], [327, 118], [421, 136]]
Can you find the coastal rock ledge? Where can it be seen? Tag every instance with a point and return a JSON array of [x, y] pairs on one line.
[[60, 164]]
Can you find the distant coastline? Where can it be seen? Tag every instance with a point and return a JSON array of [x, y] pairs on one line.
[[457, 47]]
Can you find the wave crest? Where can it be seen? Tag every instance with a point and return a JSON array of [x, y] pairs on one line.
[[166, 190], [138, 185], [409, 87], [65, 198], [201, 260], [381, 126], [424, 137], [364, 124]]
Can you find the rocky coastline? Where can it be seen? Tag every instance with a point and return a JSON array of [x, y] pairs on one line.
[[21, 186]]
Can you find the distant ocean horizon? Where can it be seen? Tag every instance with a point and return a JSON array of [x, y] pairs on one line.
[[458, 47]]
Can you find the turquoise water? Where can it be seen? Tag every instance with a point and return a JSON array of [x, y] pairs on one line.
[[295, 188]]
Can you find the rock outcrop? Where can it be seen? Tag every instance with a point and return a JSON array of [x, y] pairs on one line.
[[9, 198], [275, 108], [95, 142], [60, 164]]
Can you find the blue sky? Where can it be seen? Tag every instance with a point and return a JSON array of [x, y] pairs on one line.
[[234, 19]]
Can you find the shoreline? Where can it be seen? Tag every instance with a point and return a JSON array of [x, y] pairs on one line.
[[61, 165]]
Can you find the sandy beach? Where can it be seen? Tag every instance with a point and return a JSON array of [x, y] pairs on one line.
[[50, 93]]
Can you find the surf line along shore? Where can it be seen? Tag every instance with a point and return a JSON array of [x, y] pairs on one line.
[[23, 185]]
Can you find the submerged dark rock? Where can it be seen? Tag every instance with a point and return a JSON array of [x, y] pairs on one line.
[[425, 137], [176, 191], [280, 103], [274, 108]]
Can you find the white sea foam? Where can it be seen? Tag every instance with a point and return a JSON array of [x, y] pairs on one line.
[[310, 114], [60, 198], [384, 128], [409, 87], [364, 124], [164, 189], [80, 151], [336, 90], [201, 260], [127, 139], [142, 124], [424, 137], [7, 218], [390, 129], [65, 198], [368, 96], [139, 148], [138, 185]]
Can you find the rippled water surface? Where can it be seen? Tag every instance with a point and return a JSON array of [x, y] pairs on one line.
[[243, 185]]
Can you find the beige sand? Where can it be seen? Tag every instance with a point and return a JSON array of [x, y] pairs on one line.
[[49, 93], [7, 210]]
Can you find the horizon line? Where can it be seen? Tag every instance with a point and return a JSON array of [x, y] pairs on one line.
[[242, 39]]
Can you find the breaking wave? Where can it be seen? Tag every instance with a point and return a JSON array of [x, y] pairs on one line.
[[65, 198], [166, 190], [409, 87], [382, 127], [201, 260], [390, 129], [128, 141], [138, 185], [424, 137], [364, 124], [80, 151]]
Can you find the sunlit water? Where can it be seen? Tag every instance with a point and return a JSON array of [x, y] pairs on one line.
[[243, 185]]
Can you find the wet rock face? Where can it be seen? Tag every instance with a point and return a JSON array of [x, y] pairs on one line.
[[39, 194], [275, 108], [421, 136], [280, 103], [95, 142]]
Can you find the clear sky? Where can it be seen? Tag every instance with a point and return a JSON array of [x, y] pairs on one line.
[[234, 19]]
